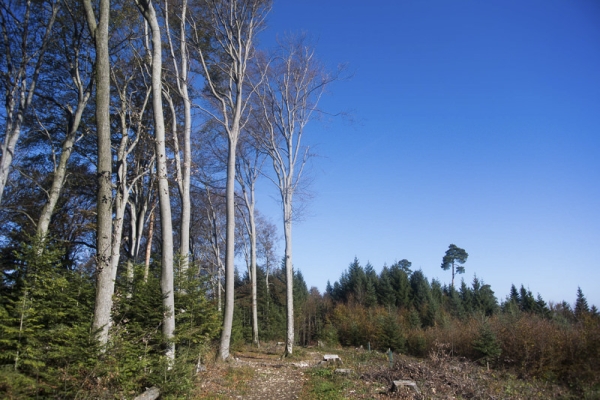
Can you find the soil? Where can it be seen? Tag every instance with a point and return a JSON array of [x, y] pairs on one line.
[[264, 375], [257, 375]]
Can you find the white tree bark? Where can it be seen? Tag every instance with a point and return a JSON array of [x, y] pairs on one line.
[[106, 274], [24, 61], [167, 281], [249, 166], [215, 239], [181, 71], [234, 25], [60, 169], [129, 115], [287, 98]]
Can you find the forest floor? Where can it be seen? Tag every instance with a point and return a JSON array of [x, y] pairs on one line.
[[257, 374]]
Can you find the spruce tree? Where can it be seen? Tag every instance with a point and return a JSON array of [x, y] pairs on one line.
[[487, 344], [581, 305], [391, 334]]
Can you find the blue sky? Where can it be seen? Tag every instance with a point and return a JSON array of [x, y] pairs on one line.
[[472, 122]]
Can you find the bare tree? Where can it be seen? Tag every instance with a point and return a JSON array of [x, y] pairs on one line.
[[249, 165], [215, 239], [167, 280], [25, 37], [72, 49], [288, 98], [232, 28], [266, 239], [180, 72], [106, 273], [133, 102]]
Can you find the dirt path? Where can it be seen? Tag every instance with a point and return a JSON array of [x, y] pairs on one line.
[[273, 379], [257, 376]]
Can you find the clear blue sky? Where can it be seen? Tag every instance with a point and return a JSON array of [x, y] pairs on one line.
[[474, 122]]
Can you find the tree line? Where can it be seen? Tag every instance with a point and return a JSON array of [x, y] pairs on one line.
[[134, 136]]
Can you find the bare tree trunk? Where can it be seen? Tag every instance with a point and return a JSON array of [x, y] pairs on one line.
[[18, 95], [181, 75], [249, 166], [229, 251], [253, 278], [234, 24], [60, 170], [288, 97], [289, 274], [149, 243], [106, 274], [84, 91], [166, 283]]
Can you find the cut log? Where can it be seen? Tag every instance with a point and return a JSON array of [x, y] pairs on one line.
[[150, 394], [398, 384]]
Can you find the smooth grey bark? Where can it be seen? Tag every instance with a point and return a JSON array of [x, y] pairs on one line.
[[233, 27], [167, 279], [106, 273], [129, 122], [249, 166], [181, 72], [23, 63], [149, 242], [215, 239], [60, 169], [287, 98], [73, 47]]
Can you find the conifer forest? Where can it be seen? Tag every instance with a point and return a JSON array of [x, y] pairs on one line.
[[132, 247]]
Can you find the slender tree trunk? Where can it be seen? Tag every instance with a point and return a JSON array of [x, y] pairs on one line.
[[18, 96], [253, 278], [230, 250], [60, 172], [289, 274], [186, 207], [219, 291], [183, 173], [106, 274], [149, 244], [167, 281], [247, 175]]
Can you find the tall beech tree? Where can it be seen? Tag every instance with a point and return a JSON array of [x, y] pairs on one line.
[[224, 42], [25, 34], [179, 53], [249, 165], [167, 279], [287, 98], [72, 45], [105, 284]]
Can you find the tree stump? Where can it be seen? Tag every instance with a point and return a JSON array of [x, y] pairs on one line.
[[330, 358], [398, 384]]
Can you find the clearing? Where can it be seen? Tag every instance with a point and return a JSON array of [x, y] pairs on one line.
[[257, 374]]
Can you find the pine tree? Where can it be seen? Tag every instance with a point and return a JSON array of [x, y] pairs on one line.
[[454, 258]]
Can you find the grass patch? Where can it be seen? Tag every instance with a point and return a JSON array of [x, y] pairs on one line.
[[323, 384]]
